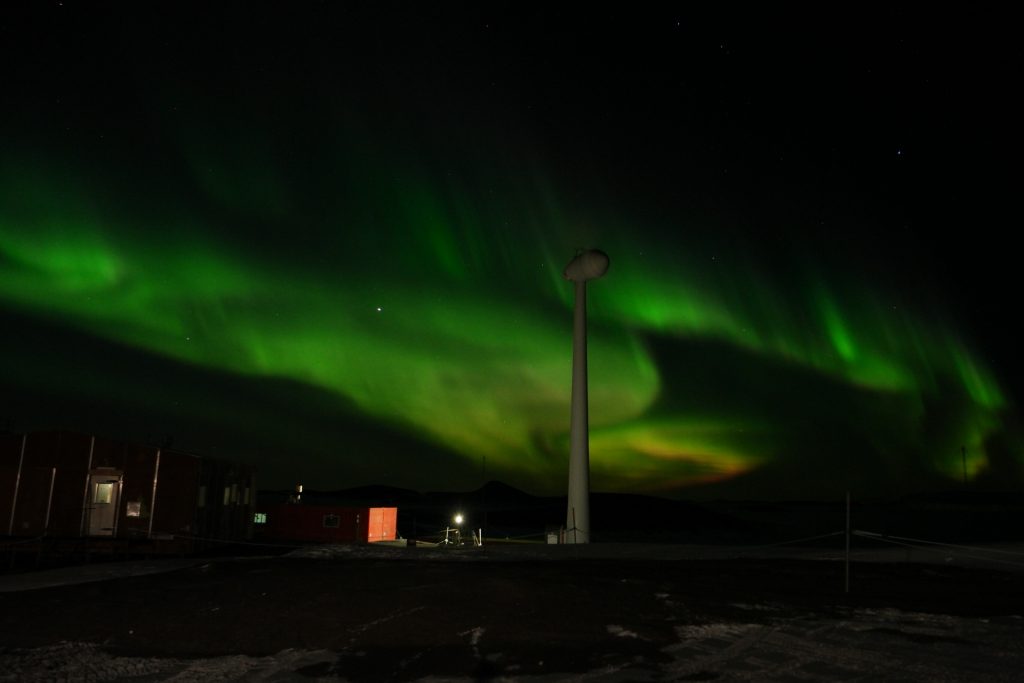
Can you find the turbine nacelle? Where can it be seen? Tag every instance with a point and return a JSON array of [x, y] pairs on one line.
[[588, 265]]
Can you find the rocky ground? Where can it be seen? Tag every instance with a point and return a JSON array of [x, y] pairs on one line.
[[403, 614]]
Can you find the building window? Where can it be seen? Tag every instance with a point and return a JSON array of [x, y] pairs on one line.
[[201, 498], [134, 508], [227, 495], [332, 521], [260, 518], [104, 493]]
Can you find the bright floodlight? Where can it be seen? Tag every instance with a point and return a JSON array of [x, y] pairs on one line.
[[588, 265], [458, 519]]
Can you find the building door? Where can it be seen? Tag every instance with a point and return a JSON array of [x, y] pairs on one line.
[[104, 491]]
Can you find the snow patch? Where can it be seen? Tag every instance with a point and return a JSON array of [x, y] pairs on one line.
[[474, 635], [762, 607], [88, 662], [720, 630], [621, 632], [890, 614]]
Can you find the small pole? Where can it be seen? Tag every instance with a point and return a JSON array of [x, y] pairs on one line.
[[846, 582], [85, 489], [17, 483], [49, 501], [152, 499]]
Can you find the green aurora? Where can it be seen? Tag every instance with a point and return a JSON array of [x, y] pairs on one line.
[[382, 222], [427, 319]]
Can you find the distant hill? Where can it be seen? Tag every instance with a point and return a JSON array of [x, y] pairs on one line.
[[502, 510]]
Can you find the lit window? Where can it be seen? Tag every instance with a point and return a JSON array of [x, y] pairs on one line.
[[227, 495], [201, 498], [134, 508], [104, 493], [260, 518], [332, 521]]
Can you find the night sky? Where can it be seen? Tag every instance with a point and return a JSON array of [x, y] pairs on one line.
[[328, 240]]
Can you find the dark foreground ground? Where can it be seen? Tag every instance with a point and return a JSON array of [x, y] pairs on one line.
[[520, 618]]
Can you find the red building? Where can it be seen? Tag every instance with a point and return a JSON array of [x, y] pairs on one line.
[[326, 523], [69, 485]]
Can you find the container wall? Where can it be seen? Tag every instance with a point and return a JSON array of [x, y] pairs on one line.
[[34, 502], [136, 504], [383, 523], [314, 523], [68, 454], [226, 501], [174, 511]]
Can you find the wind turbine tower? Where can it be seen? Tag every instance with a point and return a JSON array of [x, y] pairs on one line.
[[587, 265]]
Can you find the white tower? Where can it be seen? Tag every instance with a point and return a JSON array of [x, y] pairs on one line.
[[588, 265]]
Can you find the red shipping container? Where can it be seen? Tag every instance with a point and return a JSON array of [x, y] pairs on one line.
[[326, 523]]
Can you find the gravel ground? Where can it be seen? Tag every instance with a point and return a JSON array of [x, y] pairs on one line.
[[357, 616]]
